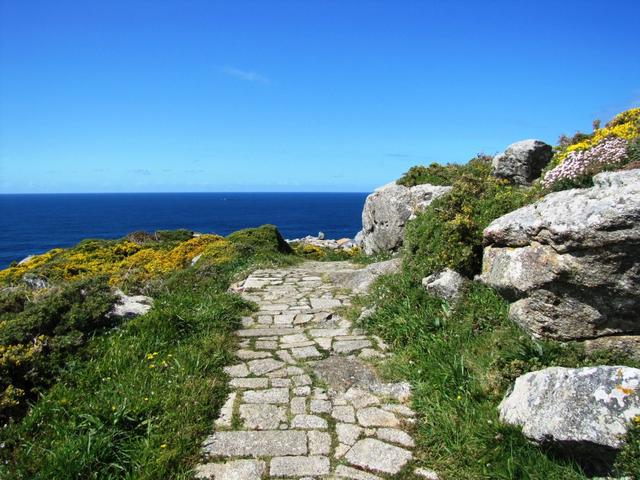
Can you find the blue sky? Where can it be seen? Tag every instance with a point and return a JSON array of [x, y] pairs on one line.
[[109, 96]]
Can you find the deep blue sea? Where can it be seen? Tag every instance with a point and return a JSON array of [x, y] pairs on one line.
[[36, 223]]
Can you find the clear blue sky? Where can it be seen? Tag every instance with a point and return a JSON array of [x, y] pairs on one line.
[[108, 96]]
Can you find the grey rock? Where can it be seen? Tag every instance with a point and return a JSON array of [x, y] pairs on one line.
[[233, 470], [343, 471], [35, 282], [270, 395], [585, 411], [388, 209], [342, 373], [445, 284], [130, 306], [309, 422], [260, 367], [348, 433], [522, 162], [299, 466], [262, 416], [249, 382], [256, 443], [401, 391], [344, 413], [225, 418], [376, 417], [349, 346], [394, 435], [426, 473], [569, 261], [319, 443], [359, 281], [378, 456], [625, 345], [239, 370]]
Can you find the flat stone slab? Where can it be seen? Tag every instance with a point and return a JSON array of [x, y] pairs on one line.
[[324, 303], [299, 466], [376, 417], [309, 422], [266, 365], [267, 332], [305, 352], [262, 417], [270, 395], [343, 471], [394, 435], [347, 346], [378, 456], [342, 373], [234, 470], [256, 443]]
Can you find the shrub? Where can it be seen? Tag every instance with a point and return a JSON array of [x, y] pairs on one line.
[[262, 240], [579, 167], [36, 341], [449, 232], [435, 174], [624, 126]]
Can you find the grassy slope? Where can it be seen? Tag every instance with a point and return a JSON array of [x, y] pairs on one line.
[[460, 362], [137, 402]]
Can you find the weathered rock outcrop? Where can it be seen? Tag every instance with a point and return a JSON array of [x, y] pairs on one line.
[[571, 260], [522, 162], [387, 210], [362, 279], [584, 411], [130, 306], [445, 284]]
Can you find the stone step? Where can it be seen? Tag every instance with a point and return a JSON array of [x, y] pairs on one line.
[[264, 443]]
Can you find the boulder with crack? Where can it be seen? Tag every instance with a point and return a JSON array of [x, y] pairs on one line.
[[569, 262], [582, 412], [387, 211], [522, 162]]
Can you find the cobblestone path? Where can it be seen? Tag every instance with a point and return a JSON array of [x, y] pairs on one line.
[[305, 401]]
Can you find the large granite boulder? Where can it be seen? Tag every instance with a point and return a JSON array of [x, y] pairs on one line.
[[446, 284], [359, 281], [571, 261], [388, 209], [522, 162], [583, 412]]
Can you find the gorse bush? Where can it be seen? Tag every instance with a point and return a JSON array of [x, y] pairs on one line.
[[37, 337], [448, 234], [435, 174]]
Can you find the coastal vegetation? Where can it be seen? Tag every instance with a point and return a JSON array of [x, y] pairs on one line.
[[88, 398]]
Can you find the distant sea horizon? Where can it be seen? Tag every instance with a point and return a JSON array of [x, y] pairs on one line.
[[33, 223]]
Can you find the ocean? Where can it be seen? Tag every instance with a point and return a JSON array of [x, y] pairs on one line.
[[32, 224]]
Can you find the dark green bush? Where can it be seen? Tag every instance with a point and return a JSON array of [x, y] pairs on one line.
[[261, 240], [435, 174], [37, 337], [449, 232]]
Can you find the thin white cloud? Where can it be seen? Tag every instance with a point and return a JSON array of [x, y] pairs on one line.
[[245, 75]]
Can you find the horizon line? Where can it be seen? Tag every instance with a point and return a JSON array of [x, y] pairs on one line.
[[178, 192]]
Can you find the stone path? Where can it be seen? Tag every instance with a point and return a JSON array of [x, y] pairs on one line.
[[305, 402]]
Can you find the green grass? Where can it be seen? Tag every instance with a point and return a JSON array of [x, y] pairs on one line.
[[137, 401], [461, 362]]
